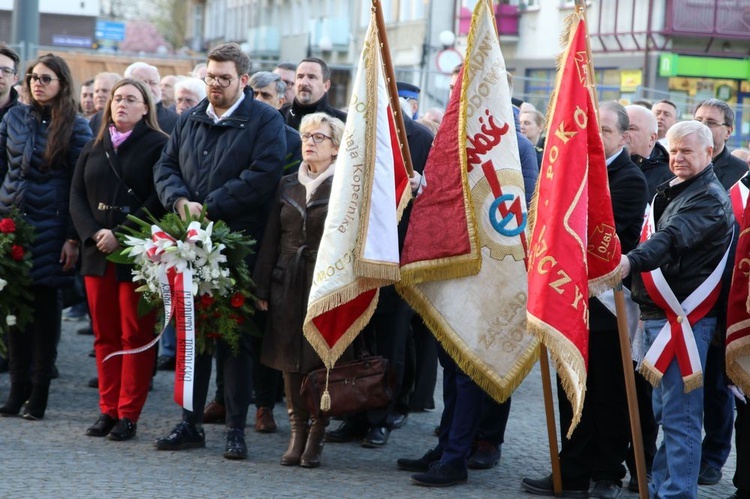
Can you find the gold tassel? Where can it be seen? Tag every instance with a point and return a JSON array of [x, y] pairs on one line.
[[325, 400]]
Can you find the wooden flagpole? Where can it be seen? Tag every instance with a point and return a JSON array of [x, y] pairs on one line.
[[549, 411], [390, 76], [622, 327]]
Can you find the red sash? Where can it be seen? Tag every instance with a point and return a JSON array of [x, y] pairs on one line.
[[738, 194], [676, 339]]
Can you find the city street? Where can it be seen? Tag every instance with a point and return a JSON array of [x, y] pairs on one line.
[[54, 458]]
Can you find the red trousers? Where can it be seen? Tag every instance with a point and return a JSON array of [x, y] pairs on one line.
[[123, 379]]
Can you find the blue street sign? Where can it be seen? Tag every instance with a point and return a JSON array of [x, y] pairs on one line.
[[110, 30]]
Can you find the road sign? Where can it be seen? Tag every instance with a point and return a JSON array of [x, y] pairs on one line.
[[110, 30]]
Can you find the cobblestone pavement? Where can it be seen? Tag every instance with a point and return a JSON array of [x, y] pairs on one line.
[[53, 457]]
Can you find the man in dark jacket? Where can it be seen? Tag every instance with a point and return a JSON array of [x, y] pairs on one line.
[[718, 401], [691, 231], [225, 155], [8, 77], [645, 151], [311, 92], [598, 446]]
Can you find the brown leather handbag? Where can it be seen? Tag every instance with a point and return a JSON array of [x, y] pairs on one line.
[[348, 388]]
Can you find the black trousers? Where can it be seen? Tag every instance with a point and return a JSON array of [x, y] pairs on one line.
[[493, 422], [741, 478], [38, 342], [598, 446], [237, 375], [421, 370]]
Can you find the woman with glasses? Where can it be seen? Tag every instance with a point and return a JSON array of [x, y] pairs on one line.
[[114, 178], [284, 273], [39, 147]]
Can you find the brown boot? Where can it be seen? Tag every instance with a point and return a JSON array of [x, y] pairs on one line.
[[314, 446], [264, 422], [297, 439]]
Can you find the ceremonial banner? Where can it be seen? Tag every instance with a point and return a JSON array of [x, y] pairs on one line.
[[463, 264], [574, 249], [738, 310], [359, 249]]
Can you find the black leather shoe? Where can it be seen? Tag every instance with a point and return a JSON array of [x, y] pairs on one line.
[[102, 427], [440, 475], [400, 421], [544, 487], [346, 432], [183, 436], [94, 383], [708, 475], [165, 363], [236, 447], [485, 457], [123, 430], [422, 464], [376, 437], [87, 331]]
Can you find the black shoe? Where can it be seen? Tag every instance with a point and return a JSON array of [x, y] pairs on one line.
[[485, 457], [606, 489], [92, 353], [236, 447], [183, 436], [544, 487], [94, 382], [88, 330], [422, 464], [347, 431], [440, 475], [165, 363], [709, 475], [376, 437], [123, 430], [102, 427], [400, 421]]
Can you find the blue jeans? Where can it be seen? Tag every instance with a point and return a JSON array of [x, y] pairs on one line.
[[680, 414], [169, 341]]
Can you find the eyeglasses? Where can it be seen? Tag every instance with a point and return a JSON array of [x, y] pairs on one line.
[[710, 123], [223, 81], [317, 137], [7, 72], [45, 79], [128, 100]]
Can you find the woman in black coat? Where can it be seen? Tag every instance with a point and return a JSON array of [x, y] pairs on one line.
[[284, 272], [114, 178], [39, 147]]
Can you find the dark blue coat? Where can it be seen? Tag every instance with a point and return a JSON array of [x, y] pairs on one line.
[[231, 167], [42, 196]]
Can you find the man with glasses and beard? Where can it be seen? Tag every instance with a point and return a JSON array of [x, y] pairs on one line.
[[225, 156], [8, 77]]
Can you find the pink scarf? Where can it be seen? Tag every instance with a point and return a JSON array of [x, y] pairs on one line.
[[117, 137]]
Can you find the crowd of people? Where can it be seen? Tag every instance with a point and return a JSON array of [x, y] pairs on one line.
[[258, 151]]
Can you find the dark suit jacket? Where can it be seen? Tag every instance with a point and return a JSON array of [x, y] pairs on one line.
[[627, 186]]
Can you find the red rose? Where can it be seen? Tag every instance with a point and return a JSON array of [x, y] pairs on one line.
[[7, 225], [238, 299], [207, 300], [238, 319], [16, 252]]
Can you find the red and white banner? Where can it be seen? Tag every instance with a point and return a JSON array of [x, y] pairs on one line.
[[574, 249], [738, 309], [359, 250], [463, 266]]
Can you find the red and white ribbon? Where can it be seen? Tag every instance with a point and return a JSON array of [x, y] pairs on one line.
[[738, 194], [676, 339]]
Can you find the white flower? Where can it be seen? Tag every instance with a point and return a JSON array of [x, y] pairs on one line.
[[10, 320], [3, 282]]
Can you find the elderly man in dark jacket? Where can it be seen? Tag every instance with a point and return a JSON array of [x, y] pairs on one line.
[[676, 275], [226, 155]]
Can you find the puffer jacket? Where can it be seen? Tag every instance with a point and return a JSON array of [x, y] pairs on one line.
[[41, 196], [231, 167], [693, 231]]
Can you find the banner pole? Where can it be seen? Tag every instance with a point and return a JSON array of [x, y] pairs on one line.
[[549, 412], [633, 410], [390, 77]]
